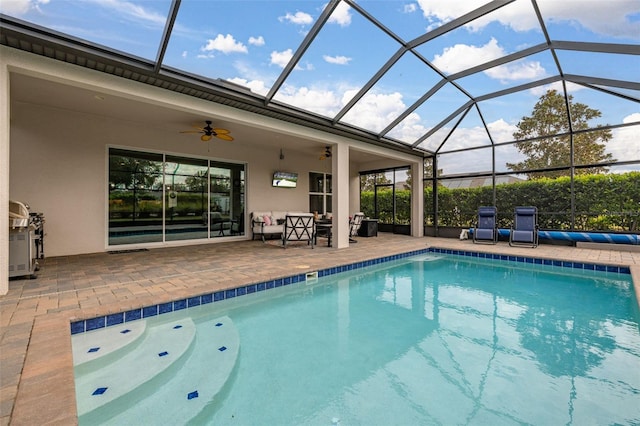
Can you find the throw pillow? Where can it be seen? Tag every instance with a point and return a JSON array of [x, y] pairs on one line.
[[267, 220]]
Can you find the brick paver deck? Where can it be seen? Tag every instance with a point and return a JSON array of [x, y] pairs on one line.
[[36, 366]]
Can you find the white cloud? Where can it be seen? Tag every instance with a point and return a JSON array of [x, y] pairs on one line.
[[520, 16], [557, 86], [445, 10], [410, 8], [298, 18], [318, 100], [463, 56], [341, 15], [612, 18], [410, 130], [20, 7], [339, 60], [501, 130], [256, 41], [624, 144], [281, 59], [132, 10], [633, 118], [375, 110], [256, 86], [519, 70], [225, 44]]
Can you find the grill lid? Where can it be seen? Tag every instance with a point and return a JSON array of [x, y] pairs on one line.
[[18, 214]]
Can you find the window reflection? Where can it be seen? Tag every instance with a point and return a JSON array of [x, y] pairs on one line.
[[185, 198], [135, 197], [180, 198], [320, 193]]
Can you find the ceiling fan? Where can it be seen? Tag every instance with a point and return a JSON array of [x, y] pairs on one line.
[[326, 154], [208, 132]]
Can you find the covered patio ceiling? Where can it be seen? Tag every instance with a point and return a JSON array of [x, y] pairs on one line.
[[419, 77]]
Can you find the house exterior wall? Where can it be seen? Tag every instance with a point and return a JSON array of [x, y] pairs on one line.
[[56, 159], [61, 171]]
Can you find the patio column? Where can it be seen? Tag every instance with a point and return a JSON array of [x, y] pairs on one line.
[[340, 195], [417, 200], [4, 178]]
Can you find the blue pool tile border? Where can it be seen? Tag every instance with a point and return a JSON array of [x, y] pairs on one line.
[[220, 295]]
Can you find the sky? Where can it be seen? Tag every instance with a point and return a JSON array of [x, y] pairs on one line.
[[250, 42]]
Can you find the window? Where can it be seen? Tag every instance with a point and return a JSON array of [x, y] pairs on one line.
[[155, 198], [320, 193]]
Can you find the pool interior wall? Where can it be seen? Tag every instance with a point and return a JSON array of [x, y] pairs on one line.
[[90, 324]]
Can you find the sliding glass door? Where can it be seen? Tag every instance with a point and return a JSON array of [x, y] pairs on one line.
[[156, 198]]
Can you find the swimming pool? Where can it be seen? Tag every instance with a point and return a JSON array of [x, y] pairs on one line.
[[429, 339]]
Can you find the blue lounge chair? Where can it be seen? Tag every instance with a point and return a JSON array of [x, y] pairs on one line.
[[486, 229], [524, 231]]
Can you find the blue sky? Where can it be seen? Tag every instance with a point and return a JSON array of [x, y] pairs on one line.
[[250, 41]]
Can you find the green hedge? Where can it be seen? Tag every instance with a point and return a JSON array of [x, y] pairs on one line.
[[603, 202], [149, 202], [385, 206]]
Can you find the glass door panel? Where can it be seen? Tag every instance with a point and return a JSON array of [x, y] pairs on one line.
[[226, 199], [135, 197], [186, 193]]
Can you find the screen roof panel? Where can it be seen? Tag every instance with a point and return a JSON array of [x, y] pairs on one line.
[[592, 21], [347, 59], [337, 63], [402, 85], [511, 74], [601, 65], [134, 27], [246, 42]]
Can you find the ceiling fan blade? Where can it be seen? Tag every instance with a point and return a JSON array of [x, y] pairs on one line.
[[225, 137], [191, 131], [221, 131]]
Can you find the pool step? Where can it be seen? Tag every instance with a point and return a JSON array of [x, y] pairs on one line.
[[426, 258], [116, 381], [202, 377], [103, 346]]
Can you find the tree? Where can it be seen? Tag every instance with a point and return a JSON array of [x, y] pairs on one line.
[[550, 118], [407, 183], [129, 172], [368, 181], [197, 183]]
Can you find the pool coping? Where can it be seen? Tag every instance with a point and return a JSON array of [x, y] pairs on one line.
[[95, 323]]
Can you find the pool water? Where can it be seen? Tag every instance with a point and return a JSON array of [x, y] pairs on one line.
[[432, 339]]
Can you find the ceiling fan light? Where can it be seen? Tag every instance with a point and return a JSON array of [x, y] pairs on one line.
[[205, 138]]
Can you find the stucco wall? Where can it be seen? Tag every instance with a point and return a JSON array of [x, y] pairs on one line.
[[60, 160]]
